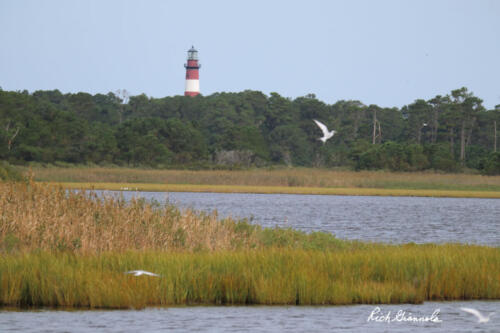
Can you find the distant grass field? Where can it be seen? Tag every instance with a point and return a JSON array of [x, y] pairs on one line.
[[71, 249], [281, 190], [298, 180]]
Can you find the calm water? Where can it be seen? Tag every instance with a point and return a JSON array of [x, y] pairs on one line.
[[387, 219], [254, 319]]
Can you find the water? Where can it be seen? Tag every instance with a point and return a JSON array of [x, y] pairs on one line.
[[255, 319], [383, 219]]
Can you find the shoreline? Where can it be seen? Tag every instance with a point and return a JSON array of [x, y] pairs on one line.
[[12, 308], [347, 191]]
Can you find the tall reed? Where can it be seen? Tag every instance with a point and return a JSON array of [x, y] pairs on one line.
[[43, 217]]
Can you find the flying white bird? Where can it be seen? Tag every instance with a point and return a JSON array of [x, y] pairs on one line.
[[139, 273], [326, 133], [479, 315]]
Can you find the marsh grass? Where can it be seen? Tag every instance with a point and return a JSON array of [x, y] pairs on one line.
[[44, 217], [282, 190], [71, 249], [380, 274], [293, 177]]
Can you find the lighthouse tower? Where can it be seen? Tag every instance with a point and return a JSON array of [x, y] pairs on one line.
[[192, 74]]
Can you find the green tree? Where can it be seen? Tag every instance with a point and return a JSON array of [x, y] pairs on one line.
[[278, 112], [419, 115], [467, 108], [290, 146], [491, 165]]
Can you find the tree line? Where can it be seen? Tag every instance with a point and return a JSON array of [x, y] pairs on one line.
[[248, 128]]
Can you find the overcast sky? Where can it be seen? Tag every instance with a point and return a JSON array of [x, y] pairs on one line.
[[379, 52]]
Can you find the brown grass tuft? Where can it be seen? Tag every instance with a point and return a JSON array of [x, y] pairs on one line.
[[40, 216]]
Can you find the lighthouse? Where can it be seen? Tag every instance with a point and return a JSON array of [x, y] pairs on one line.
[[192, 74]]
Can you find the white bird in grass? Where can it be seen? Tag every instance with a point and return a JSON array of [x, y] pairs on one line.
[[326, 133], [480, 317], [139, 273]]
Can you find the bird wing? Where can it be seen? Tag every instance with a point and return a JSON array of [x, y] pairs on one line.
[[141, 272], [474, 312], [322, 126], [130, 272]]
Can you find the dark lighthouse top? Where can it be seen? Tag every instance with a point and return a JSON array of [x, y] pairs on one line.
[[192, 54], [192, 60]]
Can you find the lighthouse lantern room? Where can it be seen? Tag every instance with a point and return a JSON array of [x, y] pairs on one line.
[[192, 73]]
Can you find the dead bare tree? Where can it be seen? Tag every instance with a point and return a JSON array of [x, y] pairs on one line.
[[452, 140], [379, 135], [495, 136], [123, 95], [11, 135]]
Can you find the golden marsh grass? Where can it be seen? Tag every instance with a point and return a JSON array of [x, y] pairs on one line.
[[293, 177], [44, 217], [280, 190], [293, 181]]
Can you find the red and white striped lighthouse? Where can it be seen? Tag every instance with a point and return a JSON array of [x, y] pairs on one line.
[[192, 74]]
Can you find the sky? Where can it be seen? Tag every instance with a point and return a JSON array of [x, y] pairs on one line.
[[382, 52]]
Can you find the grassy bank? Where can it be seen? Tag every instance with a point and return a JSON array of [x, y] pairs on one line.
[[281, 190], [303, 181], [399, 274], [297, 177], [71, 249]]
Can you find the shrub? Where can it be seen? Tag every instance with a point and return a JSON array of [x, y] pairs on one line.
[[8, 172], [491, 165]]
